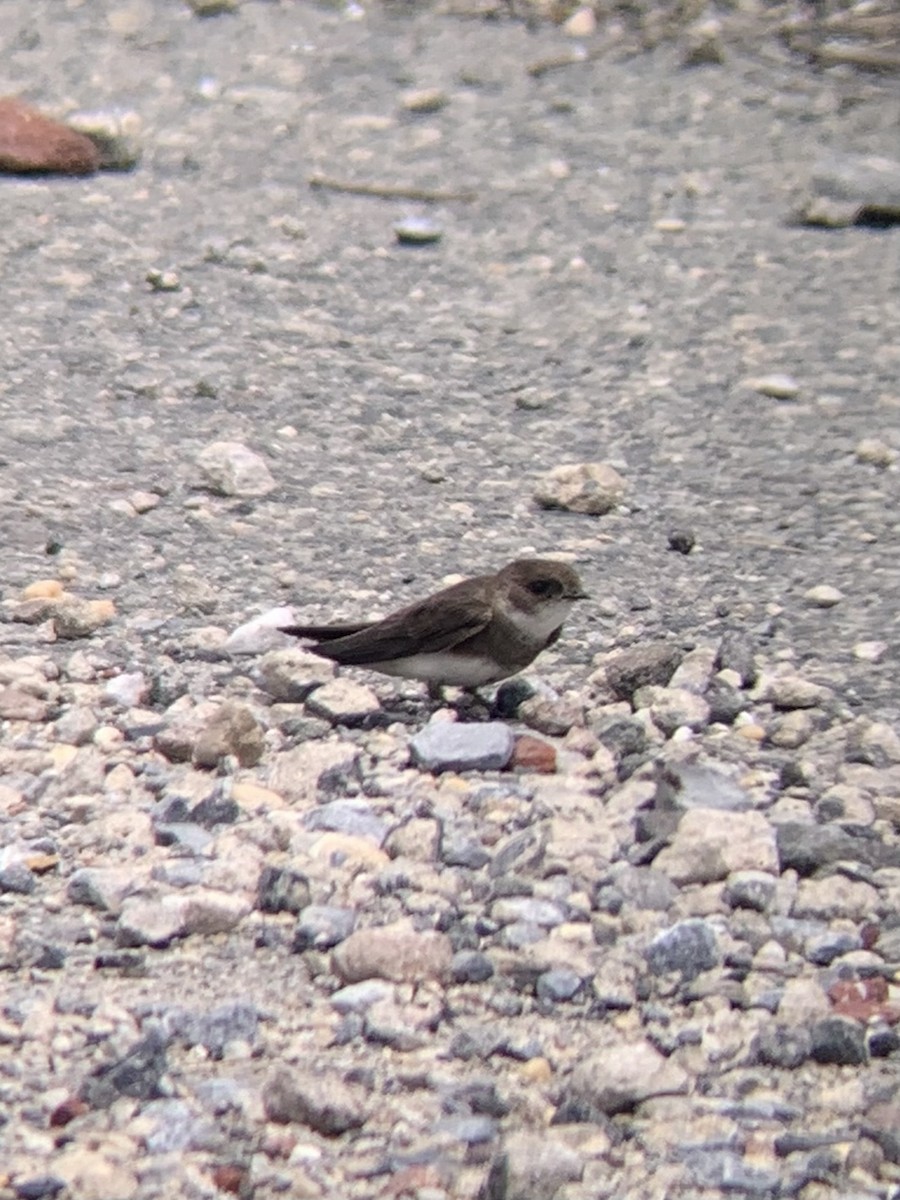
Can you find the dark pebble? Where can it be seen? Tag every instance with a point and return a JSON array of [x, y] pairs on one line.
[[38, 1186], [18, 879], [681, 540], [688, 947], [136, 1074], [736, 654], [282, 889], [471, 966], [321, 926], [558, 985], [839, 1040], [781, 1046], [641, 666]]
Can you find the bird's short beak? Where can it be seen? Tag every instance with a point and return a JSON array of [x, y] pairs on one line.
[[580, 596]]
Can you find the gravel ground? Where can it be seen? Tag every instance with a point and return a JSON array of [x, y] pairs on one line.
[[249, 946]]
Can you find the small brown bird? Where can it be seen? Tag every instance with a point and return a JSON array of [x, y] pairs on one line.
[[476, 632]]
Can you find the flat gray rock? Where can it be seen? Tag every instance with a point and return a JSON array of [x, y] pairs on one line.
[[455, 746]]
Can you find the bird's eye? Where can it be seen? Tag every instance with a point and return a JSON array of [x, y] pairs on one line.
[[545, 588]]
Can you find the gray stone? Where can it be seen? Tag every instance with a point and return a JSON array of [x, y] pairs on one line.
[[694, 785], [725, 1169], [454, 746], [282, 889], [524, 908], [648, 665], [531, 1168], [806, 848], [232, 731], [592, 488], [353, 817], [750, 889], [839, 1040], [321, 926], [619, 1077], [343, 702], [558, 984], [321, 1101], [290, 674], [231, 469], [358, 997], [688, 947]]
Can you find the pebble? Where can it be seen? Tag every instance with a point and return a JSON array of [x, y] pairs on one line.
[[875, 452], [76, 618], [651, 665], [232, 469], [823, 595], [779, 387], [327, 1105], [231, 730], [688, 947], [711, 843], [424, 100], [590, 488], [343, 702], [290, 675], [396, 952], [117, 136], [33, 143], [213, 8], [702, 44], [321, 926], [263, 632], [457, 746], [582, 23], [421, 231], [617, 1078]]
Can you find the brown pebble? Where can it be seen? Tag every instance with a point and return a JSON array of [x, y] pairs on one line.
[[66, 1111], [229, 1178], [533, 754], [31, 142]]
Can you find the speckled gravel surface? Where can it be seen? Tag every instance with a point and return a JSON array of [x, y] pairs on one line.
[[630, 928]]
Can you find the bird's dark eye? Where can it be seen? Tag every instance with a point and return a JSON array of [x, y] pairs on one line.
[[545, 588]]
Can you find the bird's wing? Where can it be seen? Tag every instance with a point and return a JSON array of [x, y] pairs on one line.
[[423, 628]]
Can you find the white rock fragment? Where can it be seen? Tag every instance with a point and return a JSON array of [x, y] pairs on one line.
[[875, 452], [872, 652], [260, 633], [591, 488], [116, 134], [232, 469]]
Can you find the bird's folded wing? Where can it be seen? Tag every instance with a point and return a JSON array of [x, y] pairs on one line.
[[420, 629]]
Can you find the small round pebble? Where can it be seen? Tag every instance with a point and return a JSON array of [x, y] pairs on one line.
[[417, 231], [823, 595]]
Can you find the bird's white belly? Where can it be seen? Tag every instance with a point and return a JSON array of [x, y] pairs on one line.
[[441, 668]]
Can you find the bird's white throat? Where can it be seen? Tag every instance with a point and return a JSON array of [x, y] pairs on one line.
[[544, 619]]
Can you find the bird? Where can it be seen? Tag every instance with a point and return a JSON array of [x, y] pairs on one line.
[[474, 633]]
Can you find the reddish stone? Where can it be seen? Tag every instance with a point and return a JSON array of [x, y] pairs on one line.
[[66, 1111], [408, 1181], [532, 754], [869, 935], [229, 1178], [31, 142], [863, 999]]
